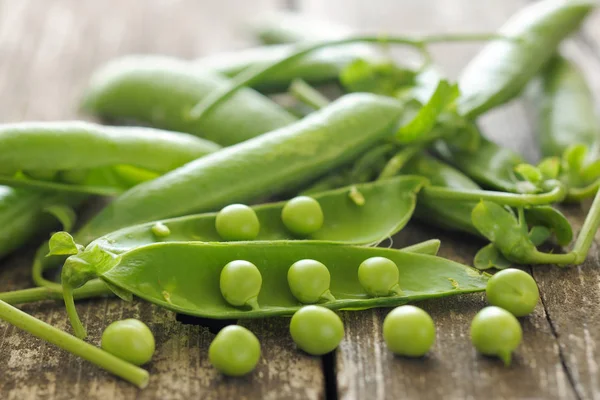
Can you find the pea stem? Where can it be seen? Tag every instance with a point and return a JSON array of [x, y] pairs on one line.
[[78, 327], [93, 288], [510, 199], [588, 231], [254, 75], [103, 359], [308, 95]]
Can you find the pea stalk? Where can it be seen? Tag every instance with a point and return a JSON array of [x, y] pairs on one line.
[[305, 93], [78, 347], [588, 231], [254, 75]]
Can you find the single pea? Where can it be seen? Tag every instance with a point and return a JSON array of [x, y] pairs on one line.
[[409, 331], [237, 222], [316, 330], [514, 290], [160, 230], [129, 339], [240, 283], [235, 351], [302, 215], [379, 276], [309, 281], [496, 332]]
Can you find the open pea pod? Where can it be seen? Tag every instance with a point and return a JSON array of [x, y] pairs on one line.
[[360, 214], [184, 277]]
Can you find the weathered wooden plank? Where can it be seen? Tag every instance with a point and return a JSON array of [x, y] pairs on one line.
[[47, 52]]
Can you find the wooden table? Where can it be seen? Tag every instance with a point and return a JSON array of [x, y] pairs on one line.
[[48, 50]]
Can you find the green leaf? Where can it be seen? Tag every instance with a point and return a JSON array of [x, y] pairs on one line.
[[501, 228], [427, 117], [383, 78], [489, 257], [552, 219], [574, 158], [64, 214], [549, 167], [63, 244], [529, 173], [119, 292]]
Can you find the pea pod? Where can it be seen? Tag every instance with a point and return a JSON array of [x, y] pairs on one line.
[[184, 277], [160, 91], [387, 208], [569, 127], [81, 145], [269, 164], [504, 67]]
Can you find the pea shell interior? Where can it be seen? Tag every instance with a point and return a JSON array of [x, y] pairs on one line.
[[185, 276], [388, 206]]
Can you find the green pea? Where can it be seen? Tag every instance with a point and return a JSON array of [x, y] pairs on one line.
[[237, 222], [130, 340], [409, 331], [235, 351], [240, 283], [160, 230], [302, 215], [496, 332], [514, 290], [379, 276], [316, 330], [309, 281]]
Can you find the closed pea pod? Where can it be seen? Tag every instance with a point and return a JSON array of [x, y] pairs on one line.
[[168, 274], [81, 145], [504, 67], [160, 91], [270, 163]]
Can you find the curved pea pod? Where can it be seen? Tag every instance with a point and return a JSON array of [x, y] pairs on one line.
[[160, 91], [73, 145], [318, 67], [504, 67], [184, 277], [25, 213], [387, 208], [269, 164], [568, 125]]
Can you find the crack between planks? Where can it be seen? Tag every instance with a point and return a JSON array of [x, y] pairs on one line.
[[330, 376], [561, 354]]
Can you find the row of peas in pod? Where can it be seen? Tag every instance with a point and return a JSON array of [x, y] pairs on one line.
[[248, 261], [301, 215]]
